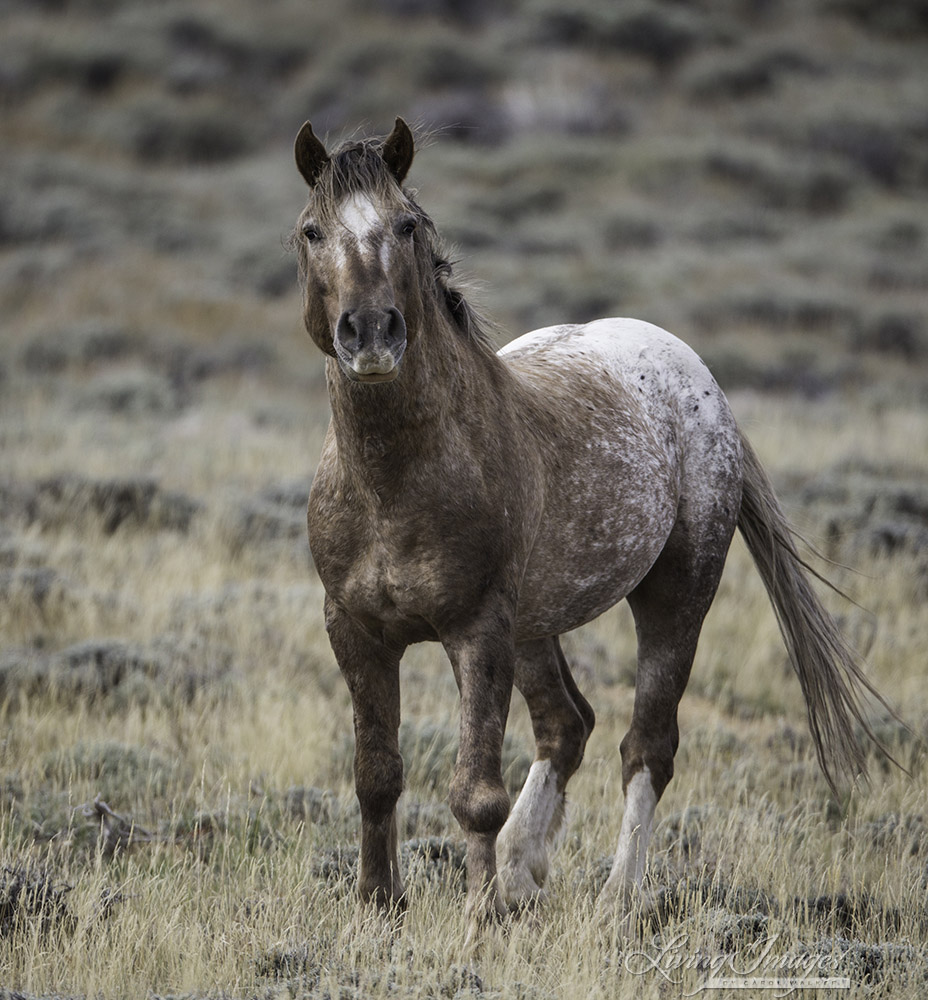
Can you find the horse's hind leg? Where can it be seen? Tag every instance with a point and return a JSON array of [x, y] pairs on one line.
[[562, 721], [669, 606]]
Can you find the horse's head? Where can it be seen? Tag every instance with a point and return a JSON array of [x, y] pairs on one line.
[[358, 247]]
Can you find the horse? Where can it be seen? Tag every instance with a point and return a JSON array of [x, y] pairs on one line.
[[492, 501]]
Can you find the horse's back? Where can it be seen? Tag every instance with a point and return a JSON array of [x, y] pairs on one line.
[[636, 374], [632, 424], [639, 357]]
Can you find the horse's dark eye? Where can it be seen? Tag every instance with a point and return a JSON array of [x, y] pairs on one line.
[[408, 227], [311, 233]]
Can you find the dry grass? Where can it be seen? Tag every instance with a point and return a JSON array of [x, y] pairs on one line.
[[235, 889]]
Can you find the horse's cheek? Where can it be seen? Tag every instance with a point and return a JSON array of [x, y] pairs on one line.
[[317, 314], [323, 339]]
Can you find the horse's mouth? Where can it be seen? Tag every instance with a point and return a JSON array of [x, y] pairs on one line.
[[374, 376], [368, 367]]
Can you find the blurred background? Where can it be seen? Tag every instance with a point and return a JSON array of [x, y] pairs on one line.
[[751, 174]]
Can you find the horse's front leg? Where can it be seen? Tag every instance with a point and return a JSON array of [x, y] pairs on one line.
[[371, 671], [482, 655]]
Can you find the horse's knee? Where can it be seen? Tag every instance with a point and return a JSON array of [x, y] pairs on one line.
[[479, 805], [378, 781]]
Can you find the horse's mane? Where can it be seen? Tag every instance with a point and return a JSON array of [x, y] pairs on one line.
[[357, 167], [466, 319]]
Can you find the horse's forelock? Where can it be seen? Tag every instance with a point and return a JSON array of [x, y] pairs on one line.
[[354, 168]]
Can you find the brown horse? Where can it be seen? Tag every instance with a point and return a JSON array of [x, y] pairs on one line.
[[494, 501]]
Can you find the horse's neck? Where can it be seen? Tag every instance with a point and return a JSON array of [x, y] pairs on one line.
[[384, 429]]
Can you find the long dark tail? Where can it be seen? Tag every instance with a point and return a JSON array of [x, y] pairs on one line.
[[829, 671]]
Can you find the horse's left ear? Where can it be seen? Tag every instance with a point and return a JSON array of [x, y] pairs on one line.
[[398, 150]]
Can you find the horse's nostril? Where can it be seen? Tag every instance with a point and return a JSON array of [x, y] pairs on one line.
[[396, 326], [348, 330]]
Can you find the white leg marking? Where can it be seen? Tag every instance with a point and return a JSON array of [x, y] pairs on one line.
[[522, 843], [632, 850]]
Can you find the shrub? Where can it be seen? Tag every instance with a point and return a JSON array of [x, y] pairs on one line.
[[111, 503], [32, 896], [176, 134], [877, 149], [119, 671], [740, 76], [120, 768], [87, 342], [901, 334], [662, 35], [905, 19], [130, 392]]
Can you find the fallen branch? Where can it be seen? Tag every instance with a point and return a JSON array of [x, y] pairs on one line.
[[117, 832]]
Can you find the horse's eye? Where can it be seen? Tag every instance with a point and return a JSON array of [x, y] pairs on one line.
[[408, 227], [311, 233]]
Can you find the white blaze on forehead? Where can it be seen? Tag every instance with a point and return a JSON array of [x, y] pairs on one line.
[[359, 216], [359, 222]]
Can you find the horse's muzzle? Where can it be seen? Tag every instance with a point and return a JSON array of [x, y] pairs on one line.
[[369, 343]]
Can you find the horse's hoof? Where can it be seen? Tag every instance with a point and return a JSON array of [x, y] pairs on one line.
[[527, 907], [617, 923], [518, 889], [485, 932], [388, 901], [622, 914], [485, 915]]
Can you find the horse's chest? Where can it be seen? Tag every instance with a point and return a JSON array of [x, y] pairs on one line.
[[392, 588], [403, 576]]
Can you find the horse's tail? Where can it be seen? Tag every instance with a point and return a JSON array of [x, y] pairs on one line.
[[832, 681]]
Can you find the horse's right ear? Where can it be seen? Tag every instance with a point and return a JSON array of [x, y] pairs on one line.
[[310, 154], [398, 150]]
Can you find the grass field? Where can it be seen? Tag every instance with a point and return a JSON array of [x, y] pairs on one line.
[[176, 809]]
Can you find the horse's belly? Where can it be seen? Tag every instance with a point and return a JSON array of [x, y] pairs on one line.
[[594, 550]]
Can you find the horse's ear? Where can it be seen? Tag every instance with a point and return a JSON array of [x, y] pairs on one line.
[[310, 154], [398, 150]]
